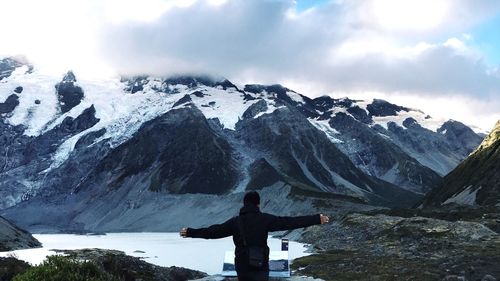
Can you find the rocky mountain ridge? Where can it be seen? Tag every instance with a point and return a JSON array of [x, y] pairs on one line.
[[475, 181], [69, 143]]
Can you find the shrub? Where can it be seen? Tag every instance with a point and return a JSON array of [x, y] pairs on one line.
[[61, 268]]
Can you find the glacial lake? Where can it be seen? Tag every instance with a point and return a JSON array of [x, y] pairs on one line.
[[164, 249]]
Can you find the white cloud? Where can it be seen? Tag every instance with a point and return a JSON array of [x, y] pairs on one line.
[[333, 47], [448, 68], [409, 15], [410, 49]]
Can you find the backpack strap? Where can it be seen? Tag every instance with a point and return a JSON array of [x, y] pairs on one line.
[[241, 229]]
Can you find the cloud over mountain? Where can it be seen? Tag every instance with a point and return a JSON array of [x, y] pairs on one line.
[[419, 48]]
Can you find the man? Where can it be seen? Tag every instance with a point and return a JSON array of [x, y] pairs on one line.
[[250, 230]]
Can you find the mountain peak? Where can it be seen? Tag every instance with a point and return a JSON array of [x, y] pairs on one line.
[[8, 65], [491, 138], [259, 88], [384, 108], [69, 77], [197, 80]]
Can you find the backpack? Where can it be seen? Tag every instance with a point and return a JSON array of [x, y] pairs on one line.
[[256, 254]]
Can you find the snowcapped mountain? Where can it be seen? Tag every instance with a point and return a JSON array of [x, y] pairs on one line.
[[63, 138], [476, 181]]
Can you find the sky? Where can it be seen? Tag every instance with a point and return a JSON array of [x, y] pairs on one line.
[[440, 56]]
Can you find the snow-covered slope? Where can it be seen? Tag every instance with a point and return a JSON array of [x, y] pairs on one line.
[[119, 112]]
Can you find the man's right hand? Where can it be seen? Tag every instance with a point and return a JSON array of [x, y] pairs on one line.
[[324, 219], [183, 232]]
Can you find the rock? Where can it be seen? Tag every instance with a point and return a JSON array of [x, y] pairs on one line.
[[360, 114], [262, 174], [69, 77], [198, 94], [379, 156], [411, 123], [454, 278], [384, 108], [89, 138], [135, 84], [10, 267], [15, 238], [461, 138], [69, 94], [188, 155], [292, 278], [254, 109], [380, 247], [488, 277], [184, 100], [416, 227], [7, 66], [193, 81], [225, 84], [10, 104], [47, 143], [126, 267]]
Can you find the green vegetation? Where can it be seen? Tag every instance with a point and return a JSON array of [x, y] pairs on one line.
[[60, 268], [356, 265], [100, 265]]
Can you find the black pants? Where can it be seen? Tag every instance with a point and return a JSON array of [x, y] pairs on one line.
[[253, 276]]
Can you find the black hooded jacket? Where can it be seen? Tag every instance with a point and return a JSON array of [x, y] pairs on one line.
[[256, 227]]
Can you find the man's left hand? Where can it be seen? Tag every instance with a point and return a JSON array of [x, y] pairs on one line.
[[324, 219]]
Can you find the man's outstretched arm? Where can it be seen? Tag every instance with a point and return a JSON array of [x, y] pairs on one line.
[[212, 232], [288, 223]]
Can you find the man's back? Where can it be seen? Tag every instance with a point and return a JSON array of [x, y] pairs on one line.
[[256, 226]]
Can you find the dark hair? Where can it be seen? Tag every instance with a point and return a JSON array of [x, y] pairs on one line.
[[251, 197]]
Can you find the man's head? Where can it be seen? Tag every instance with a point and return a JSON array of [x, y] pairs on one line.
[[252, 198]]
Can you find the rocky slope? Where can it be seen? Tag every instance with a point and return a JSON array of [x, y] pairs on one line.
[[126, 267], [131, 209], [10, 267], [8, 65], [69, 147], [15, 238], [475, 181], [382, 247], [107, 264]]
